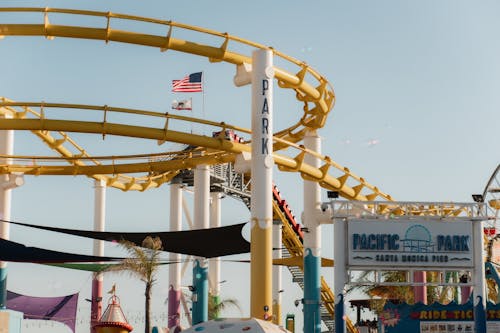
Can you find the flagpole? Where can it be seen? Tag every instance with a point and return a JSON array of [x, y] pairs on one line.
[[203, 96]]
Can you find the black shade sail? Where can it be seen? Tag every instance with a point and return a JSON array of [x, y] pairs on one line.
[[12, 251], [207, 243]]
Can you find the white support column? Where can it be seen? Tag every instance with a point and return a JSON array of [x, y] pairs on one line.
[[174, 270], [6, 148], [202, 197], [201, 221], [277, 272], [339, 273], [262, 176], [479, 292], [312, 241], [214, 263], [99, 225]]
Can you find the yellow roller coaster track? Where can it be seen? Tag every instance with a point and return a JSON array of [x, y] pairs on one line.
[[21, 116], [312, 91], [317, 99]]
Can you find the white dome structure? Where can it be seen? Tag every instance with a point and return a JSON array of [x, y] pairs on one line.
[[236, 325]]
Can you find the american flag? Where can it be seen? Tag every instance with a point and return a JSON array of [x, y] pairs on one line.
[[190, 83]]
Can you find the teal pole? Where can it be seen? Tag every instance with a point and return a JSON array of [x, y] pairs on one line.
[[200, 292], [479, 315], [312, 293], [312, 241], [340, 326], [3, 287]]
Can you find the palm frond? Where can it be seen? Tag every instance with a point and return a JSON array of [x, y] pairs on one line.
[[143, 262]]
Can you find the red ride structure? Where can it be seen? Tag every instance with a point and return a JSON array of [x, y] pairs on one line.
[[283, 205]]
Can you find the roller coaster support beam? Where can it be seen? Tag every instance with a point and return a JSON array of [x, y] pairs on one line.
[[99, 225], [479, 292], [7, 183], [174, 269], [312, 241], [339, 273], [261, 209], [201, 221], [214, 263], [277, 272]]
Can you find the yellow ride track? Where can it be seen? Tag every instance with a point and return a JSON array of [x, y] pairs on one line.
[[312, 91]]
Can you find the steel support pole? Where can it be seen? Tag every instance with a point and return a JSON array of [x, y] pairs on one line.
[[312, 241], [174, 269], [99, 225], [201, 221], [479, 292], [214, 263], [262, 172], [277, 273], [339, 273], [6, 148]]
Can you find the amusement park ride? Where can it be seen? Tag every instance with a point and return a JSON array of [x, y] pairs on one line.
[[227, 154]]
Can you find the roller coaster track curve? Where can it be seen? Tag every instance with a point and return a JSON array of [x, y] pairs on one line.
[[317, 100]]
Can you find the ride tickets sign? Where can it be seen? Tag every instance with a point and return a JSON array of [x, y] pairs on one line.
[[410, 243]]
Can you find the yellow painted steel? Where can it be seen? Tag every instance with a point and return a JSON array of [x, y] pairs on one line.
[[299, 261], [311, 89], [494, 203], [317, 97], [277, 313], [216, 150], [261, 305]]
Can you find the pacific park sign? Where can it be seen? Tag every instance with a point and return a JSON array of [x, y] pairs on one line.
[[408, 243]]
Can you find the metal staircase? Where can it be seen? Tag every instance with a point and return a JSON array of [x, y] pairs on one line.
[[294, 247], [237, 185]]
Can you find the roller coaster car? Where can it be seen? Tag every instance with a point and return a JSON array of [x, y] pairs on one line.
[[228, 135], [277, 195], [490, 231], [283, 205], [291, 218]]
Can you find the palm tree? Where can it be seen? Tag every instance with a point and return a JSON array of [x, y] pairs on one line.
[[387, 292], [143, 263], [404, 293], [216, 305]]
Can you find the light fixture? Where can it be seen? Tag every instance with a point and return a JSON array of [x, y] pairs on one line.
[[332, 194], [478, 198]]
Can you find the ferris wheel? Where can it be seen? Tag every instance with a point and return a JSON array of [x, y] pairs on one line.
[[491, 198]]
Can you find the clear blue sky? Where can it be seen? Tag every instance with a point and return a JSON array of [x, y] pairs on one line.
[[417, 112]]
